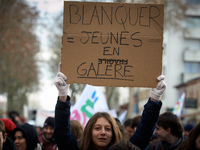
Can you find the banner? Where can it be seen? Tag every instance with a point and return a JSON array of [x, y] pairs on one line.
[[123, 116], [92, 100], [179, 106], [41, 116]]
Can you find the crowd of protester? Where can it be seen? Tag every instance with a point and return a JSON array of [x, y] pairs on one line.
[[148, 131]]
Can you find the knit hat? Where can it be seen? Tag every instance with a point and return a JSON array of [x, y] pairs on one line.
[[30, 134], [49, 122], [9, 124], [188, 127]]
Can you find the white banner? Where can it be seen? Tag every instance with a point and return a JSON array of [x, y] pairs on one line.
[[123, 116], [179, 106], [41, 116], [92, 100]]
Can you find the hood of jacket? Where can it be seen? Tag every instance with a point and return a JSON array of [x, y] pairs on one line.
[[30, 134]]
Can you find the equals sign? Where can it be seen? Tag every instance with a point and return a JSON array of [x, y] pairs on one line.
[[70, 39]]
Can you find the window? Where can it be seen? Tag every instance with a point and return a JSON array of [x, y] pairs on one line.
[[193, 1], [192, 67], [193, 22], [193, 44]]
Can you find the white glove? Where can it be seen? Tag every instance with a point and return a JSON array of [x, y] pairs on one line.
[[61, 85], [157, 92]]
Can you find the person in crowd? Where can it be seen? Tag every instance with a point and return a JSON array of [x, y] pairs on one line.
[[135, 122], [127, 127], [101, 131], [169, 131], [187, 128], [25, 137], [14, 116], [9, 125], [76, 128], [46, 135], [124, 144], [5, 142], [121, 128], [125, 139], [192, 142], [134, 125], [38, 129]]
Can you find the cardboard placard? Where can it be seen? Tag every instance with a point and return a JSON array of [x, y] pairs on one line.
[[112, 44]]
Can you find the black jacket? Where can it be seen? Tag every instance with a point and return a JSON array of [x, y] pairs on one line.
[[9, 144]]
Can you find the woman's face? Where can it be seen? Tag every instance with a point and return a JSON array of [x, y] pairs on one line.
[[101, 133], [198, 143], [20, 141]]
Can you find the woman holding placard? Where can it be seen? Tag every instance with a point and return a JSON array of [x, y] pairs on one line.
[[101, 131]]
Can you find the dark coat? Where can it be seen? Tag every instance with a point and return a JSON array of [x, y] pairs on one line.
[[9, 144], [141, 138]]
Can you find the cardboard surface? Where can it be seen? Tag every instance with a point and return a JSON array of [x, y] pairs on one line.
[[112, 44]]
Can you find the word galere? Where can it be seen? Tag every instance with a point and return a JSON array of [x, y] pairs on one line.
[[117, 71]]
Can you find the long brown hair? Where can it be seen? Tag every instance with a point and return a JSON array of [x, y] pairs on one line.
[[86, 143], [190, 142], [76, 128]]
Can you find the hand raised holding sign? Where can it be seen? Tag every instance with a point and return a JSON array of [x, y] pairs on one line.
[[160, 88], [60, 83]]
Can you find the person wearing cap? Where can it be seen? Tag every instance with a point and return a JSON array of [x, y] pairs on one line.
[[9, 125], [187, 129], [25, 137], [46, 135]]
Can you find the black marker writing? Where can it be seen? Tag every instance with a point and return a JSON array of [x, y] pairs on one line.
[[111, 15]]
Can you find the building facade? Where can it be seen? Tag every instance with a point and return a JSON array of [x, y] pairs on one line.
[[181, 60], [191, 108]]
